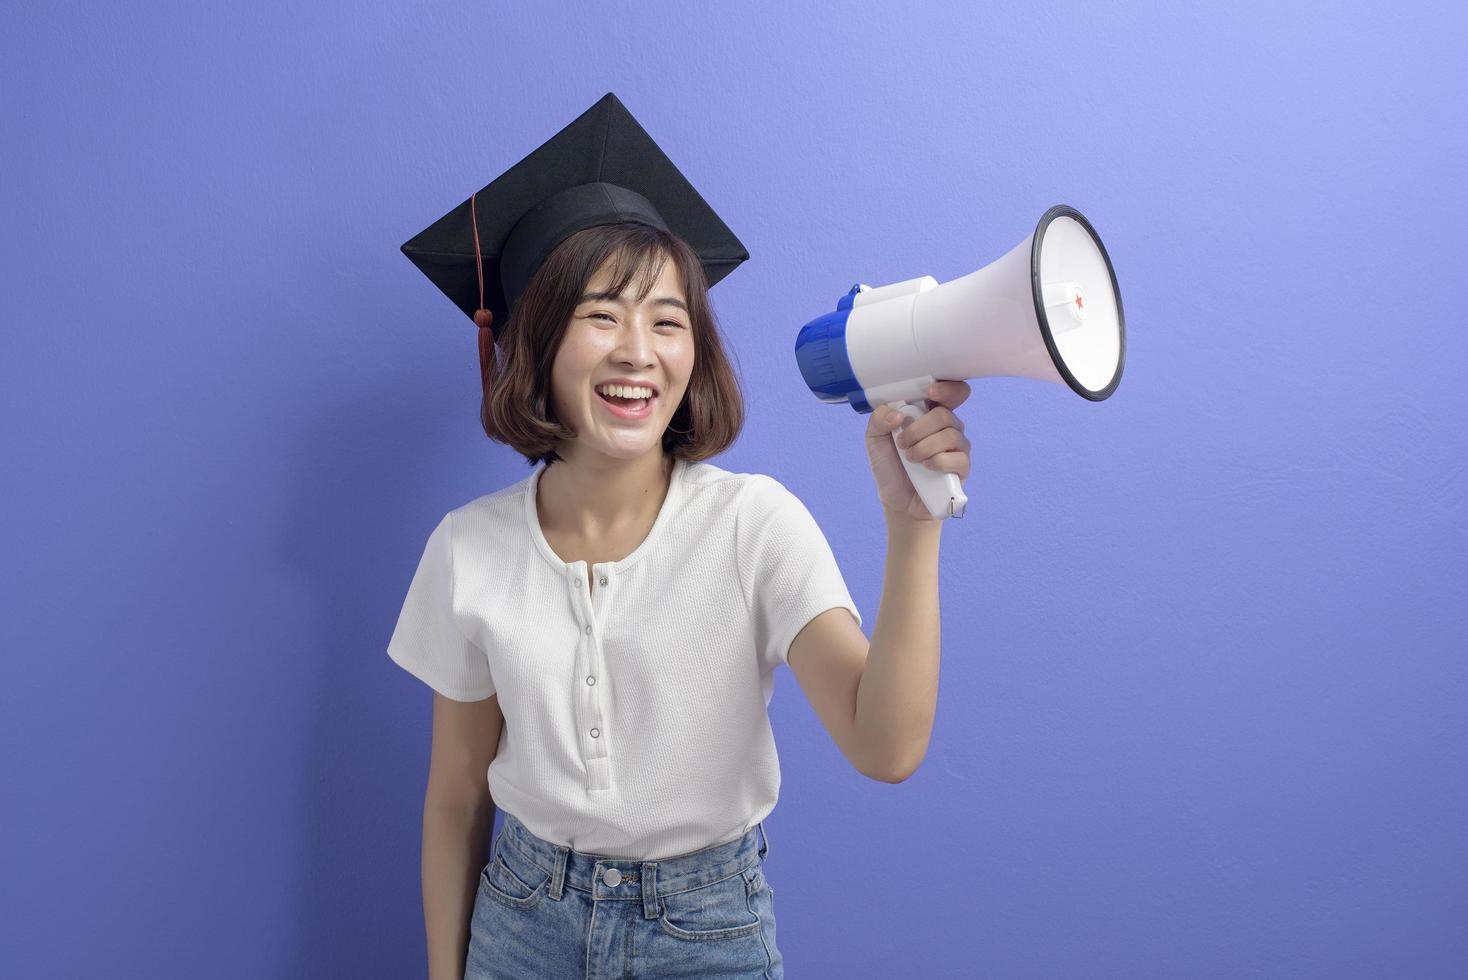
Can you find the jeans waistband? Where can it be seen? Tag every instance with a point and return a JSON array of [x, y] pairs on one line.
[[634, 878]]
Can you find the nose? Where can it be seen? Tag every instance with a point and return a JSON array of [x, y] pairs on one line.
[[634, 349]]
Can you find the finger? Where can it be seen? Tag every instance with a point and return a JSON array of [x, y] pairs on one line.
[[885, 420], [930, 423], [920, 429], [950, 462], [949, 394], [945, 439]]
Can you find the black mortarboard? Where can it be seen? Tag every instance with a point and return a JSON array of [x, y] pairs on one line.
[[600, 169]]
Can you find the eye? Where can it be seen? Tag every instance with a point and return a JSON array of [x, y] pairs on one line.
[[671, 323]]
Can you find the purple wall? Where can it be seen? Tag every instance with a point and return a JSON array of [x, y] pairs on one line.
[[1204, 671]]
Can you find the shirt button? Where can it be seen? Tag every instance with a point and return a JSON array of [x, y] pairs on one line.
[[596, 733], [588, 631], [613, 877], [578, 583], [590, 679], [603, 581]]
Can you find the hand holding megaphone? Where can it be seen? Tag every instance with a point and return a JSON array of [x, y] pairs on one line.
[[926, 443], [1048, 310]]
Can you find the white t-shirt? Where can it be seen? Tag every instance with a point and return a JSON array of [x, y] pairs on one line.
[[636, 719]]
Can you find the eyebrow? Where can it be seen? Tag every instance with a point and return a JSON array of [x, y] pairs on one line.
[[615, 297]]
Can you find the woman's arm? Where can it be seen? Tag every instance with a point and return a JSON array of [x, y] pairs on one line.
[[454, 850], [458, 818], [878, 699], [897, 695]]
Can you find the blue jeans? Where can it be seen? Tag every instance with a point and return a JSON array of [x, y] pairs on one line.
[[548, 912]]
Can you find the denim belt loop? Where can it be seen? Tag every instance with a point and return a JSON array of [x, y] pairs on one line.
[[764, 847], [558, 873], [649, 889]]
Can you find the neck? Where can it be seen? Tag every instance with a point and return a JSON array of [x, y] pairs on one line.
[[594, 500]]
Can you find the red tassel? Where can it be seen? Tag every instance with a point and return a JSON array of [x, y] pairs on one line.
[[483, 317], [486, 348]]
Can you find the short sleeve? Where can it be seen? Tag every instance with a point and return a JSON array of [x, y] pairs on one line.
[[428, 641], [786, 567]]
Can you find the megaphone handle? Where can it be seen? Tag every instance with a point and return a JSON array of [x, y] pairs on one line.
[[941, 492]]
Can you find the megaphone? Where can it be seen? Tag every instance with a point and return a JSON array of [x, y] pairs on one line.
[[1049, 310]]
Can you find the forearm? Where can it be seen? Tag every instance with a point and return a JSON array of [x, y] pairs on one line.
[[455, 848], [897, 698]]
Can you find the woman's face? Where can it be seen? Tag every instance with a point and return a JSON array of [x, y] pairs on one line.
[[618, 337]]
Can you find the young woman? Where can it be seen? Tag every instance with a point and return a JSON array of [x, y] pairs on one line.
[[601, 636]]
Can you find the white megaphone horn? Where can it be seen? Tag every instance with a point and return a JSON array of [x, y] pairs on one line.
[[1049, 310]]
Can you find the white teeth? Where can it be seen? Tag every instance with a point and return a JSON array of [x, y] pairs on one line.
[[623, 391]]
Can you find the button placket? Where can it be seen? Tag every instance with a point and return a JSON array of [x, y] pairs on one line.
[[593, 719]]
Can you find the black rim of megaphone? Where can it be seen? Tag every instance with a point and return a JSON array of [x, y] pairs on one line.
[[1066, 211]]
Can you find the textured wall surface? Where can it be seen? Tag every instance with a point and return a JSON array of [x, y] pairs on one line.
[[1204, 671]]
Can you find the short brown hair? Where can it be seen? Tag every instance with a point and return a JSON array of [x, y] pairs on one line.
[[516, 407]]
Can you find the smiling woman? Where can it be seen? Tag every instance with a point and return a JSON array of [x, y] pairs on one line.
[[623, 607]]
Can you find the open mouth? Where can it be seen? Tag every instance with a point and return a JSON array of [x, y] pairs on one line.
[[627, 408]]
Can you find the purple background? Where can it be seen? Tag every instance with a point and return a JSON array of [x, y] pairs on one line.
[[1204, 672]]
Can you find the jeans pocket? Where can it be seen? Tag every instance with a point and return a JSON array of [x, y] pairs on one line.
[[759, 886], [711, 912], [514, 881]]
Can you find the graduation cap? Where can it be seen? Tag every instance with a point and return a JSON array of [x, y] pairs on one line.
[[600, 169]]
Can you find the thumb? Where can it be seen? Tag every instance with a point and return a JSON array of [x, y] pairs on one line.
[[885, 419]]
